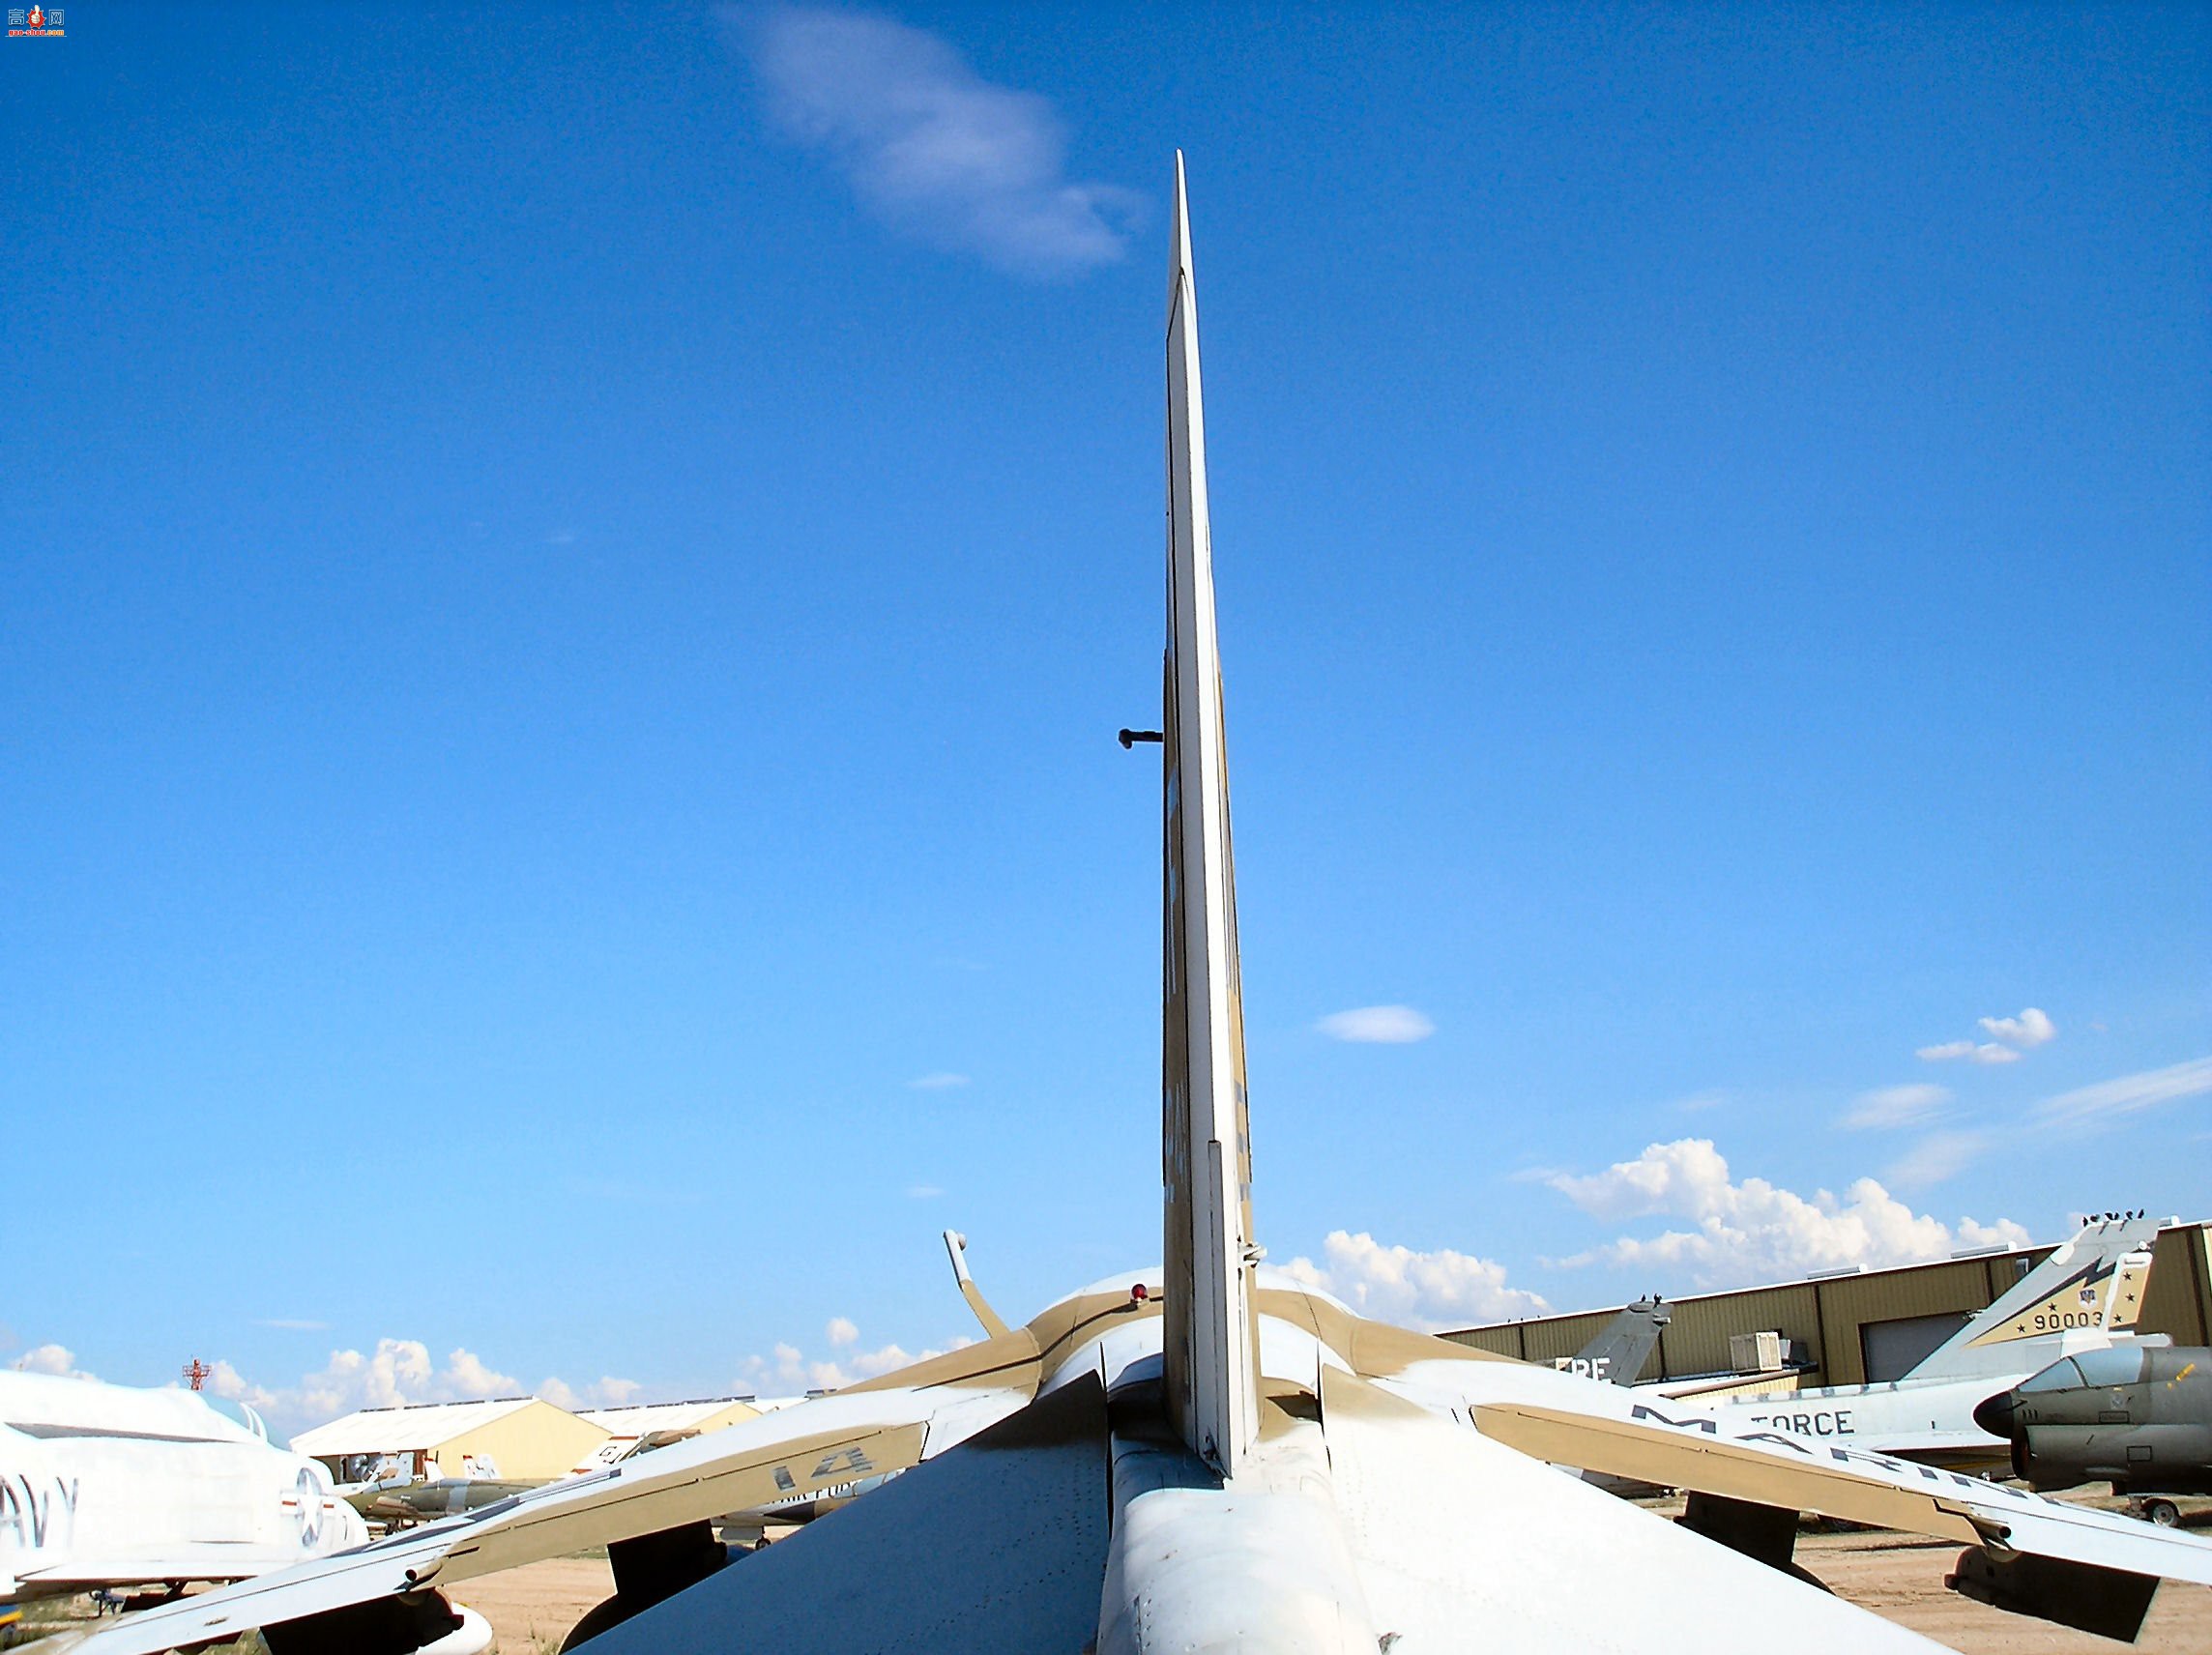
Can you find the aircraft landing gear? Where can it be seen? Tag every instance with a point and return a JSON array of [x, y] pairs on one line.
[[2163, 1512]]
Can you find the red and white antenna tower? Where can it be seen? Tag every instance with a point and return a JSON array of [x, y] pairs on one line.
[[195, 1372]]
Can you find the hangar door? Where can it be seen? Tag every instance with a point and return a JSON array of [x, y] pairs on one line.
[[1894, 1349]]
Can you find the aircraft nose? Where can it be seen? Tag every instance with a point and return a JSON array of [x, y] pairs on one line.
[[1994, 1415]]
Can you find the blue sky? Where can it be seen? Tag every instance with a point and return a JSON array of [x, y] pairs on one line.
[[567, 577]]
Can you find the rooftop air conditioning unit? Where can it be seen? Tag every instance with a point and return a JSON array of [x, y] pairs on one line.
[[1756, 1352]]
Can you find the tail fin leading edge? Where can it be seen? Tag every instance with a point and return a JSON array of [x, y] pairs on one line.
[[1212, 1312]]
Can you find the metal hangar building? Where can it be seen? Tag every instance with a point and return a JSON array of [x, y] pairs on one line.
[[1856, 1326]]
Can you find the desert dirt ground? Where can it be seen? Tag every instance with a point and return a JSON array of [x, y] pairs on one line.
[[533, 1607]]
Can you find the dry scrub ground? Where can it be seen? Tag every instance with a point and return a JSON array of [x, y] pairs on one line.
[[533, 1607]]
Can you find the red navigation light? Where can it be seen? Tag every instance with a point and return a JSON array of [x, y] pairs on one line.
[[1138, 1295]]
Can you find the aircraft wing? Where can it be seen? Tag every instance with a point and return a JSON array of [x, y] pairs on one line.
[[1613, 1432], [886, 1425], [84, 1571]]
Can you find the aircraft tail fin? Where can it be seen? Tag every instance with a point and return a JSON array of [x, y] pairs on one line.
[[2077, 1290], [1623, 1345], [1212, 1311], [2124, 1304]]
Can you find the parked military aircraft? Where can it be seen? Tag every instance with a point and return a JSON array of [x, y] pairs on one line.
[[109, 1487], [1207, 1454], [2086, 1296], [399, 1504], [2136, 1417]]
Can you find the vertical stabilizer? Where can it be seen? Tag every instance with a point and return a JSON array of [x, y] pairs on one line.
[[2077, 1296], [1622, 1346], [1212, 1335]]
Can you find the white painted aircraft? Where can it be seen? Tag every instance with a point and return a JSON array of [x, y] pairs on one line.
[[2086, 1296], [106, 1486], [1209, 1456]]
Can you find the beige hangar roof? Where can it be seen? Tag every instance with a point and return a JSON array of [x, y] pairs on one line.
[[405, 1430]]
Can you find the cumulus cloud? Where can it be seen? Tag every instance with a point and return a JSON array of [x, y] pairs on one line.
[[942, 1081], [1897, 1106], [57, 1360], [787, 1368], [1378, 1026], [1935, 1158], [1431, 1291], [606, 1392], [2129, 1095], [928, 145], [1745, 1231], [2029, 1029], [399, 1373], [1953, 1050], [225, 1380]]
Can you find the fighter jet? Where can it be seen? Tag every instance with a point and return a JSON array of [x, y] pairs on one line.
[[2136, 1417], [1207, 1454], [2086, 1296], [398, 1505], [105, 1487]]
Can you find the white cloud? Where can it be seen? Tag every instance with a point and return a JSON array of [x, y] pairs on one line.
[[466, 1374], [1897, 1106], [1951, 1051], [2029, 1029], [928, 145], [1436, 1290], [1752, 1231], [2025, 1032], [396, 1373], [2128, 1094], [1936, 1158], [57, 1360], [942, 1081], [922, 1192], [225, 1380], [399, 1373], [787, 1368], [1378, 1024], [293, 1325], [607, 1392]]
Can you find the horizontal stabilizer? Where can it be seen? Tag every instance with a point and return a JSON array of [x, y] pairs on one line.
[[996, 1548]]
